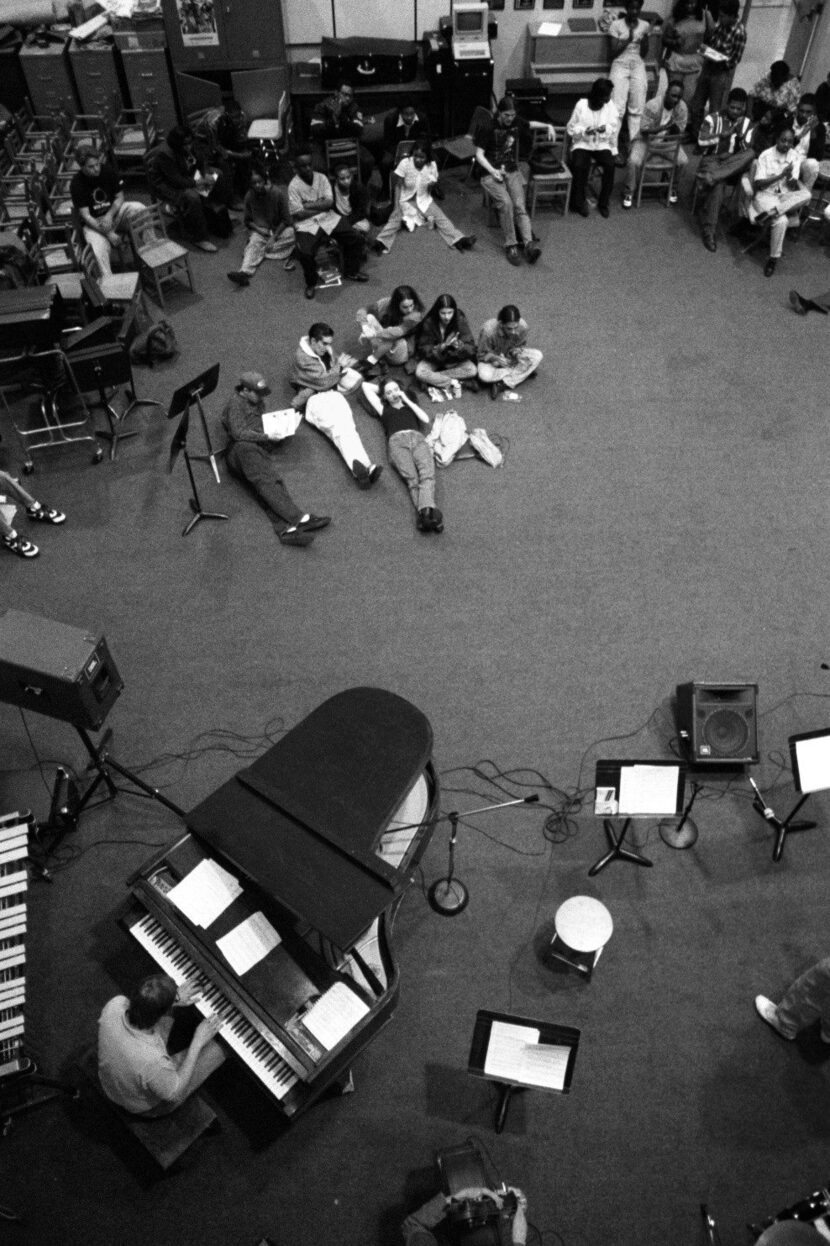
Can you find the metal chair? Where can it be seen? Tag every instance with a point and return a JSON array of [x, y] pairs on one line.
[[160, 261], [659, 169]]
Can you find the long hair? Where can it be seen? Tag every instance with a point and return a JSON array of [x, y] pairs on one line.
[[399, 294], [509, 314], [443, 300]]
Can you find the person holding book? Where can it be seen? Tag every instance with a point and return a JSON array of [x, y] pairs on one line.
[[417, 1228], [250, 458]]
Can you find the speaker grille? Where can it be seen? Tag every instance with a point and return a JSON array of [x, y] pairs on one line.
[[726, 732]]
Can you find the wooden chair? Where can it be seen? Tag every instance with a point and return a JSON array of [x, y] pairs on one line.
[[552, 186], [342, 151], [659, 169], [132, 136], [160, 261]]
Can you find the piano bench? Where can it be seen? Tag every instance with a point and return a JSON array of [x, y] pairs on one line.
[[164, 1138]]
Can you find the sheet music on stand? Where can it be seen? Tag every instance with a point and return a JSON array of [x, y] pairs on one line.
[[515, 1053], [638, 788]]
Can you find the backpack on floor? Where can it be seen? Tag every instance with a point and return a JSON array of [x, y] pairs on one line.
[[157, 343]]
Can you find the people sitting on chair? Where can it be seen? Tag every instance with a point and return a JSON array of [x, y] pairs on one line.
[[777, 192], [775, 96], [725, 139], [321, 379], [409, 452], [136, 1068], [389, 325], [226, 128], [497, 140], [724, 49], [683, 35], [664, 118], [402, 125], [413, 180], [504, 358], [468, 1216], [97, 195], [593, 128], [10, 538], [199, 196], [810, 140], [311, 202], [446, 349], [339, 116], [351, 202], [268, 222], [251, 457], [629, 34]]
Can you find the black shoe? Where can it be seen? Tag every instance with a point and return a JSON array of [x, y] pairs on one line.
[[293, 536], [769, 267], [495, 389], [239, 279], [471, 384], [310, 292], [512, 254], [356, 276], [361, 474], [437, 192], [466, 243], [313, 523], [710, 241], [532, 253], [604, 211], [377, 248], [422, 523], [436, 519], [798, 304], [374, 474]]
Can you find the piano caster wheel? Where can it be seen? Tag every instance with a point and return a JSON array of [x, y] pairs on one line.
[[448, 896]]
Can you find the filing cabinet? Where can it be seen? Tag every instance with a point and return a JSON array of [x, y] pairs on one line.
[[49, 78], [95, 70], [147, 71]]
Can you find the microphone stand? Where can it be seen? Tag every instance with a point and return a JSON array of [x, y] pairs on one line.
[[449, 896]]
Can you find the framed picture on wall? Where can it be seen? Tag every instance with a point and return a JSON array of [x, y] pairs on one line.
[[495, 5], [523, 5]]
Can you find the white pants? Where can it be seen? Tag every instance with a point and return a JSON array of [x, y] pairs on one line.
[[101, 245], [332, 415], [628, 74], [770, 201], [527, 363], [258, 249]]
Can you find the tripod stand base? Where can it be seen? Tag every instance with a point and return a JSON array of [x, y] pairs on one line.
[[448, 896], [682, 836], [618, 852], [198, 514]]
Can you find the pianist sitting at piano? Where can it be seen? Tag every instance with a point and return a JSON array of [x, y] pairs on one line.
[[136, 1069], [474, 1216]]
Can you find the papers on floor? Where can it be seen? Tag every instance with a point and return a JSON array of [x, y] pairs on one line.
[[281, 424], [549, 28], [246, 945], [334, 1015], [205, 892], [648, 789], [515, 1054]]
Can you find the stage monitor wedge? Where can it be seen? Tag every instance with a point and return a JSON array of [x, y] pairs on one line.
[[718, 723], [60, 671]]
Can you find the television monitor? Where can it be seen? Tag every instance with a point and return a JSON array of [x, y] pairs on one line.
[[469, 19], [810, 755]]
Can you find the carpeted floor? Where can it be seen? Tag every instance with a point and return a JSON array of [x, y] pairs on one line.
[[660, 518]]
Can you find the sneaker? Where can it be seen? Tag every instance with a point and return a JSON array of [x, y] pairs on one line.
[[207, 246], [512, 254], [798, 304], [769, 267], [673, 197], [466, 243], [361, 474], [313, 523], [768, 1012], [377, 248], [16, 545], [472, 384], [289, 265], [628, 201], [495, 389], [454, 388], [532, 253], [310, 292], [239, 279], [294, 536], [436, 519], [374, 474], [422, 523], [45, 514]]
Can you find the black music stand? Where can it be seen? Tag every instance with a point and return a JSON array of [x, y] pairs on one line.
[[634, 789], [102, 368], [184, 398], [810, 758], [545, 1061]]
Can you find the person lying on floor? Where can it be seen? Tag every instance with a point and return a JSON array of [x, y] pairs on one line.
[[777, 192], [415, 206], [10, 538], [725, 138], [504, 358], [268, 221], [322, 379], [390, 326], [409, 452], [445, 348], [251, 458]]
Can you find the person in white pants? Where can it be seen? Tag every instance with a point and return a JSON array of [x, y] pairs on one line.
[[322, 380], [98, 200], [777, 192]]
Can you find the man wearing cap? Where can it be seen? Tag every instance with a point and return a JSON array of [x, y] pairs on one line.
[[250, 457], [321, 379]]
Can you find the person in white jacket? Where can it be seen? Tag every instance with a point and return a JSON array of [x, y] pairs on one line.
[[594, 127]]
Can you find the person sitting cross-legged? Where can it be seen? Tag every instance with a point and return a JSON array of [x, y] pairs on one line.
[[504, 359], [594, 128], [662, 118], [10, 538], [251, 458], [446, 348], [409, 452], [268, 221], [310, 201], [320, 378], [414, 205], [777, 192], [497, 141], [97, 194], [390, 326], [725, 139]]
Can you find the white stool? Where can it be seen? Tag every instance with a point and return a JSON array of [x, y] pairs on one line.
[[583, 927]]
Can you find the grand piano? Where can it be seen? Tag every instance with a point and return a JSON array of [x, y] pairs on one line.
[[316, 842]]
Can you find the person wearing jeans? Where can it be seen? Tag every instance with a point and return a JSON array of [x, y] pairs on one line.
[[409, 451], [497, 153]]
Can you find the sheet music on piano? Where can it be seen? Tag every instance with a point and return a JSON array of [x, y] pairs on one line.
[[334, 1014], [205, 893]]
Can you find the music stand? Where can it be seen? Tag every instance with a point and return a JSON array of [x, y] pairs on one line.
[[810, 758], [184, 398], [521, 1054], [634, 789], [106, 367]]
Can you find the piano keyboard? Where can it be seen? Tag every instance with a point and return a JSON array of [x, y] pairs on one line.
[[243, 1039], [14, 851]]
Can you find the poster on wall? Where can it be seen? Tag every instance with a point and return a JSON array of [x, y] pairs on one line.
[[197, 22]]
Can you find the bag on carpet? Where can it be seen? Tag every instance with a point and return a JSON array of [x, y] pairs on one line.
[[485, 448], [157, 343], [448, 436]]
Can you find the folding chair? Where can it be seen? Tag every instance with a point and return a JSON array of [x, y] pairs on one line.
[[160, 261]]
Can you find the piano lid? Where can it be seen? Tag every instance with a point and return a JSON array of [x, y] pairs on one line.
[[304, 820]]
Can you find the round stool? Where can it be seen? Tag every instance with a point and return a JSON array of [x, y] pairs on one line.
[[583, 923]]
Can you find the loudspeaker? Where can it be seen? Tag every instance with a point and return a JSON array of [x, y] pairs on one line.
[[63, 672], [718, 723]]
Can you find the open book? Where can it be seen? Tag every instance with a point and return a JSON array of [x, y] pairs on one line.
[[281, 424]]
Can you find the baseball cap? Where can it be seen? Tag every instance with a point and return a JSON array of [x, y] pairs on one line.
[[254, 381]]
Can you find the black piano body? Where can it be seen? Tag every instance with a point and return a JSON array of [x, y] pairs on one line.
[[322, 833]]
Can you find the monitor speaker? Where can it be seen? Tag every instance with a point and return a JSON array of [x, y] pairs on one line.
[[63, 672], [718, 723]]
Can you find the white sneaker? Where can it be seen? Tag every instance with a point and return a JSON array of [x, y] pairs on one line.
[[768, 1012], [206, 246], [628, 201], [672, 196]]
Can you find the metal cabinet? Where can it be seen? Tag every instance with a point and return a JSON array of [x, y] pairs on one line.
[[96, 76], [147, 71], [49, 78], [225, 34]]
